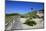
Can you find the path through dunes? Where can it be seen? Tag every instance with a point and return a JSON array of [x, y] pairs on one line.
[[17, 24]]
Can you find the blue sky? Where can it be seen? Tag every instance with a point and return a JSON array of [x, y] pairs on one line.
[[22, 7]]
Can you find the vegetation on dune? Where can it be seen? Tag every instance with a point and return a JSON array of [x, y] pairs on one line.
[[8, 19], [12, 14], [31, 15], [30, 23], [22, 16]]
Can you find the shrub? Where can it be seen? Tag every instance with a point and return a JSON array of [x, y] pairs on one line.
[[30, 23], [22, 16]]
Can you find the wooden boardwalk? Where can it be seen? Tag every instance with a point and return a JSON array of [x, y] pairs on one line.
[[16, 24]]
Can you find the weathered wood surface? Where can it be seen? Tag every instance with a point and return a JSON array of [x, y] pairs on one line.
[[17, 24]]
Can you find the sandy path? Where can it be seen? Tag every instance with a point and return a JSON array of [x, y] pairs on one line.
[[39, 23]]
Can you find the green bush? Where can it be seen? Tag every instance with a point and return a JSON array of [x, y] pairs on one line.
[[22, 16], [30, 23]]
